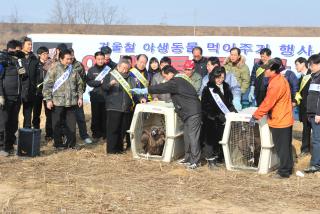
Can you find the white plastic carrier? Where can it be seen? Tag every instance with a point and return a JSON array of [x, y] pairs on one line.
[[157, 113], [246, 147]]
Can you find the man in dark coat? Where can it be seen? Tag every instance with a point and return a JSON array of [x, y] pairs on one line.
[[188, 107]]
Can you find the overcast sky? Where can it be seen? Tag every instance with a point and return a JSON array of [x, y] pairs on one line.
[[187, 12]]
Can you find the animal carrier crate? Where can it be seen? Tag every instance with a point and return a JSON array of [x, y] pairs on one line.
[[158, 121], [246, 147]]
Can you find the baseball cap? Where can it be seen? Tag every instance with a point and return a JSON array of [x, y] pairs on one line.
[[188, 64], [275, 63]]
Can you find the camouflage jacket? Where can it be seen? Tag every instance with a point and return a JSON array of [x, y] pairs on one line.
[[68, 93]]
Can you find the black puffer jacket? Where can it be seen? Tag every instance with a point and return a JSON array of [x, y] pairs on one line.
[[97, 93], [116, 97], [29, 83], [313, 99], [183, 95], [210, 109], [10, 81]]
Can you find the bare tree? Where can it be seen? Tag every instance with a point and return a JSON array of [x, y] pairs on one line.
[[108, 12], [57, 13], [86, 12]]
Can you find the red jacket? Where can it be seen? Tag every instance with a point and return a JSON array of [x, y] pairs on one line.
[[277, 103]]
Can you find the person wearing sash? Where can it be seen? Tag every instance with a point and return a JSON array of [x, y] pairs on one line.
[[258, 82], [119, 104], [196, 79], [140, 74], [95, 77], [313, 112], [301, 99], [278, 106], [188, 107], [62, 91], [216, 101], [107, 54]]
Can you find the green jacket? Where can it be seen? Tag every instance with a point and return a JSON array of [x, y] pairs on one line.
[[68, 93], [240, 71], [196, 81]]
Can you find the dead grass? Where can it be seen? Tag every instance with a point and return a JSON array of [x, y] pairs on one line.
[[89, 181]]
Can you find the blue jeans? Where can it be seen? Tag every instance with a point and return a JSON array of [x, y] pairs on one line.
[[315, 159]]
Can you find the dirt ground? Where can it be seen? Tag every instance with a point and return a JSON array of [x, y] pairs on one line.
[[89, 181]]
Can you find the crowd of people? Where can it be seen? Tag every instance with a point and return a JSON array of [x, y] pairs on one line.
[[202, 93]]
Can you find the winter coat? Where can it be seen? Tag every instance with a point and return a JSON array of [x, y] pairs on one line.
[[116, 98], [97, 94], [210, 108], [183, 94], [241, 72], [200, 66], [29, 84], [10, 81], [157, 79], [313, 98], [68, 93], [277, 103]]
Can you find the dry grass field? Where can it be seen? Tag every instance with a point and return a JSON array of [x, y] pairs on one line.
[[89, 181]]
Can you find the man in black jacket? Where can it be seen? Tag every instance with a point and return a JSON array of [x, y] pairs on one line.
[[119, 104], [188, 107], [107, 54], [11, 74], [95, 78], [200, 62], [42, 53], [29, 87], [313, 112], [301, 99]]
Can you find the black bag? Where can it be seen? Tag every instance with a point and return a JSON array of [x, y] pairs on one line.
[[29, 142]]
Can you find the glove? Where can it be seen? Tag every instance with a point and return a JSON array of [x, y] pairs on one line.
[[252, 121], [237, 103], [139, 90], [251, 94], [2, 100]]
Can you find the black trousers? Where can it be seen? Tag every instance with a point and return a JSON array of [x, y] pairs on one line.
[[27, 114], [306, 134], [60, 113], [98, 119], [81, 122], [117, 126], [213, 132], [191, 129], [37, 106], [282, 139], [9, 123], [48, 113]]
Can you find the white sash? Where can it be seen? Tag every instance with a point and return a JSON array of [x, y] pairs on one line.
[[103, 73], [62, 78], [219, 102]]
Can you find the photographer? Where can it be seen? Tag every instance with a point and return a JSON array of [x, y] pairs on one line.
[[11, 75]]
